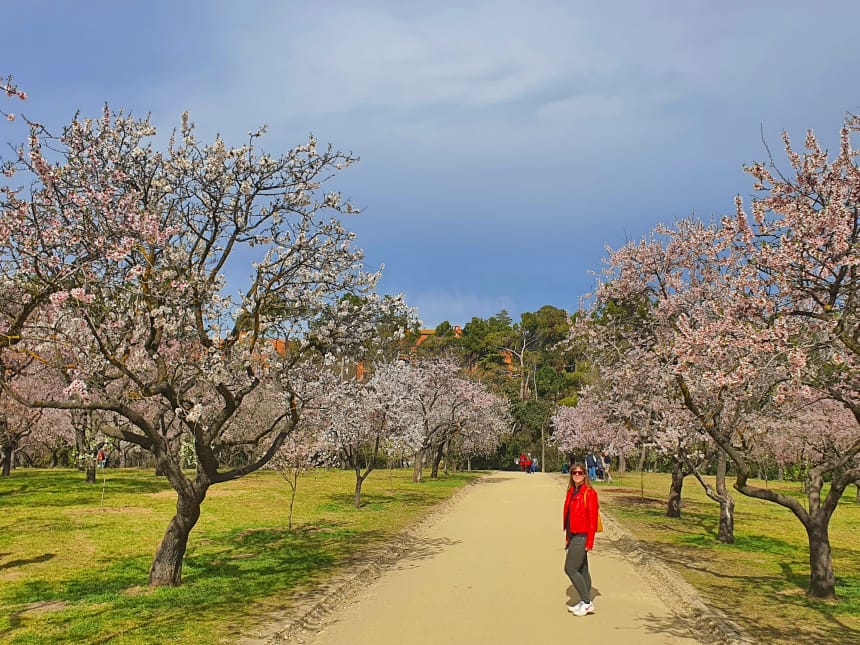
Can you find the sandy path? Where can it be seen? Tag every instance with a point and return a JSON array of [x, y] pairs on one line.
[[490, 570]]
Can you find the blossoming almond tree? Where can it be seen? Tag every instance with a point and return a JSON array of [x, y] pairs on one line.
[[301, 451], [476, 428], [362, 420], [130, 248], [449, 406], [783, 435], [749, 313], [804, 244], [588, 426], [17, 423], [635, 397]]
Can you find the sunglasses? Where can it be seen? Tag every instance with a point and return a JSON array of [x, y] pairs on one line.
[[577, 472]]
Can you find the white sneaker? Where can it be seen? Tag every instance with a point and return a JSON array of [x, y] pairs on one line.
[[583, 608], [575, 608]]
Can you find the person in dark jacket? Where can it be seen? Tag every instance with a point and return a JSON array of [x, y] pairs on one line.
[[580, 525], [591, 462]]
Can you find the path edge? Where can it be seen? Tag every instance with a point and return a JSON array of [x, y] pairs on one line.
[[313, 608], [707, 623]]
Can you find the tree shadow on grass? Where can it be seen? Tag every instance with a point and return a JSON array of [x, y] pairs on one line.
[[373, 500], [121, 485], [226, 574], [789, 586], [639, 501], [41, 489], [21, 562], [223, 564]]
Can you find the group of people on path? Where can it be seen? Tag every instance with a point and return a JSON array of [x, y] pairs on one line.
[[598, 466], [526, 463]]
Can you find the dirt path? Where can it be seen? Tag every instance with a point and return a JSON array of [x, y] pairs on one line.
[[489, 569]]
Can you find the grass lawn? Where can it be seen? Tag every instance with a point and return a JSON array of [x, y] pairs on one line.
[[761, 580], [74, 558]]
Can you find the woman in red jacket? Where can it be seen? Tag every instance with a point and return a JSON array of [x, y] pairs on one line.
[[580, 525]]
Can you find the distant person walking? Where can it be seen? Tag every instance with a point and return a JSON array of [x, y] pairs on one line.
[[524, 463], [591, 463], [580, 525]]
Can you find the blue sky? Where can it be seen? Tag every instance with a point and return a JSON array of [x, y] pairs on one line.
[[503, 144]]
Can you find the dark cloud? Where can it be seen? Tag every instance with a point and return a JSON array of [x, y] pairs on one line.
[[502, 143]]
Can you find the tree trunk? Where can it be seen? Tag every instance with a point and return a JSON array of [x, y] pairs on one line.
[[437, 459], [359, 480], [726, 532], [542, 444], [418, 466], [7, 460], [641, 466], [673, 506], [622, 464], [294, 484], [166, 569], [822, 583], [84, 445], [815, 518]]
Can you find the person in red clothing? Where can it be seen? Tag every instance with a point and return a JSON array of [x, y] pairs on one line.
[[580, 525], [523, 462]]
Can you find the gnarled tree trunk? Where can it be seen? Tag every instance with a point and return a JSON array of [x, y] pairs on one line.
[[359, 480], [673, 505], [166, 568], [726, 532], [437, 459], [822, 582], [8, 451], [418, 466]]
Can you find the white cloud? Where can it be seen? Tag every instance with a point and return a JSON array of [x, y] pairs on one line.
[[337, 57]]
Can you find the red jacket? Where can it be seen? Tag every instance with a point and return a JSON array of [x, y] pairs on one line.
[[580, 514]]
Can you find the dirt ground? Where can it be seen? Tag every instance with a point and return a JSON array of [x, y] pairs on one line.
[[487, 568]]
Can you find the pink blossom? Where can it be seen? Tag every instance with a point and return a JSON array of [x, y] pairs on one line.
[[76, 389], [81, 295], [59, 297]]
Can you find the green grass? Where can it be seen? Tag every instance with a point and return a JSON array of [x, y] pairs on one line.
[[75, 570], [761, 580]]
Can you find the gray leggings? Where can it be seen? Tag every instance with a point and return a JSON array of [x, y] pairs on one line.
[[576, 567]]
